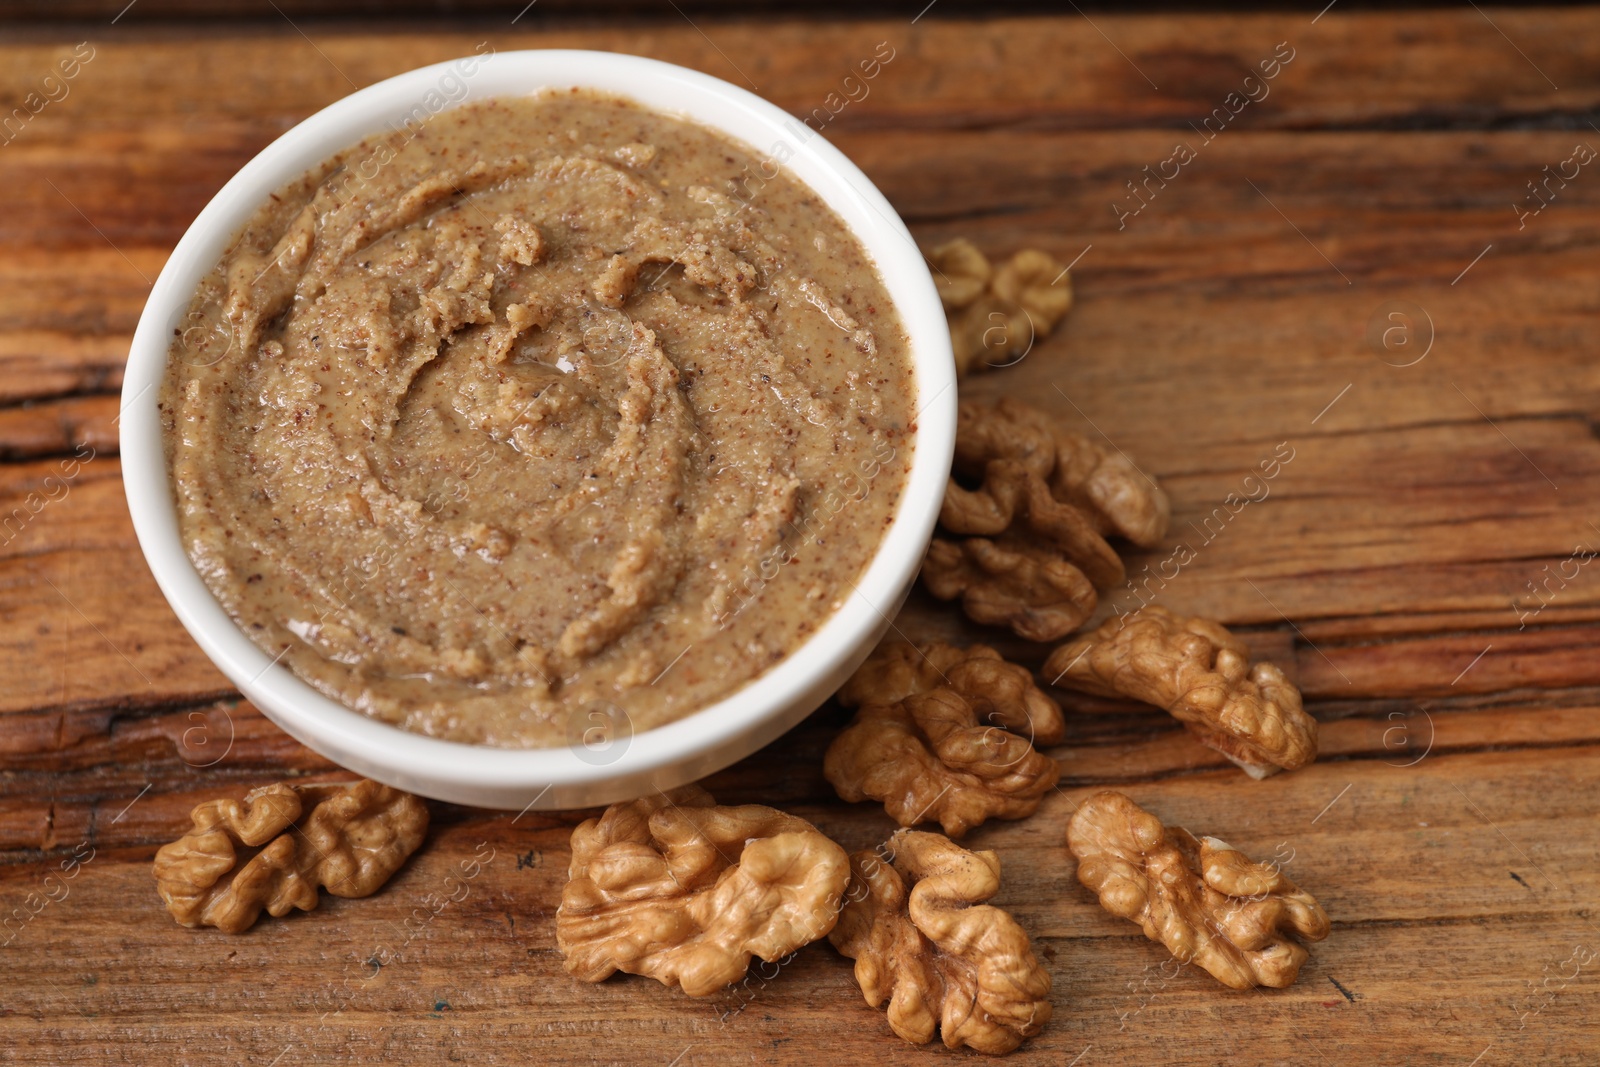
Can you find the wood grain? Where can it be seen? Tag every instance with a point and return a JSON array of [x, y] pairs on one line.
[[1397, 568]]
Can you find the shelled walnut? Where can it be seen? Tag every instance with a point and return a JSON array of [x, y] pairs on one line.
[[685, 892], [1038, 284], [997, 315], [1036, 505], [348, 838], [990, 333], [924, 941], [1011, 499], [1113, 495], [1011, 583], [928, 757], [1200, 897], [1001, 693], [960, 272], [1201, 673]]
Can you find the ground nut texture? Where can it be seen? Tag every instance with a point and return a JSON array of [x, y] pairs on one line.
[[549, 405]]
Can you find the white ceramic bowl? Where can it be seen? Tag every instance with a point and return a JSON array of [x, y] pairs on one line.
[[622, 766]]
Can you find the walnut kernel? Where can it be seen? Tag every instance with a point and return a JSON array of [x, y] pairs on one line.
[[1201, 674], [1036, 505], [960, 272], [348, 838], [1001, 693], [928, 757], [1037, 283], [1200, 897], [990, 332], [1034, 591], [924, 941], [685, 892]]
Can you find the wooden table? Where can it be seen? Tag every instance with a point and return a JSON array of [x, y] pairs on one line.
[[1401, 567]]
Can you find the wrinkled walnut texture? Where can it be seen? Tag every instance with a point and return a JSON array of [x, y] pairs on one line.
[[348, 838], [1200, 673], [997, 314], [1115, 497], [990, 333], [1036, 521], [924, 941], [685, 892], [1037, 283], [1201, 898], [929, 758], [1034, 591], [960, 272], [1001, 693], [1013, 497]]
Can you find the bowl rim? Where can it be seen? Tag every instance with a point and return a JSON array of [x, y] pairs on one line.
[[455, 768]]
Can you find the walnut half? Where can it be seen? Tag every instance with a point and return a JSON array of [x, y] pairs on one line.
[[945, 734], [1035, 592], [1002, 693], [1014, 499], [1037, 283], [928, 757], [348, 838], [923, 940], [1111, 494], [961, 272], [1200, 897], [997, 314], [1026, 517], [685, 892], [1200, 673]]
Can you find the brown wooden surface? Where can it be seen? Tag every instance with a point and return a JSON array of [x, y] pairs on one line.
[[1450, 825]]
